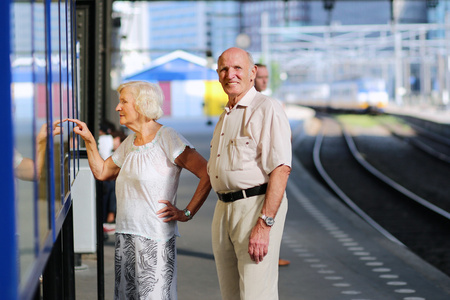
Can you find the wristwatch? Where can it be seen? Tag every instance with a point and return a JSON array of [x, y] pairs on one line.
[[269, 221], [187, 213]]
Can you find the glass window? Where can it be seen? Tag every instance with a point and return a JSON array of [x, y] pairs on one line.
[[42, 93]]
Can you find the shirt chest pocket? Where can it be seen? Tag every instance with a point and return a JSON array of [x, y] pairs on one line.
[[242, 154]]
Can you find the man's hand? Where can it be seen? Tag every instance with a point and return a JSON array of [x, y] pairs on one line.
[[258, 245]]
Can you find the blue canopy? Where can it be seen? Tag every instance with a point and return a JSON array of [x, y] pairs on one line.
[[176, 69]]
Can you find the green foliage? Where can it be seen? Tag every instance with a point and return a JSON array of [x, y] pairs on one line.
[[275, 81], [367, 120]]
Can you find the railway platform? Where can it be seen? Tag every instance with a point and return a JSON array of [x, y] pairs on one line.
[[334, 254], [436, 114]]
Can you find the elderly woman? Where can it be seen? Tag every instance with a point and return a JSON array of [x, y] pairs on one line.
[[147, 167]]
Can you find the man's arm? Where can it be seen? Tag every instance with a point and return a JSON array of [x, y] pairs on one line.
[[259, 237]]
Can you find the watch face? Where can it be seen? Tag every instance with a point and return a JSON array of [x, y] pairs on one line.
[[269, 221]]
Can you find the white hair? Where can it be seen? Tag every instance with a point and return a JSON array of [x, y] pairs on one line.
[[148, 98]]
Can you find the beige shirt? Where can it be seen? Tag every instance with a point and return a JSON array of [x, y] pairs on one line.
[[249, 142]]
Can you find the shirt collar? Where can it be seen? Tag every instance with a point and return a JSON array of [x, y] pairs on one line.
[[246, 100]]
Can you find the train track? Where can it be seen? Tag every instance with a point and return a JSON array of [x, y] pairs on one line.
[[434, 144], [397, 189]]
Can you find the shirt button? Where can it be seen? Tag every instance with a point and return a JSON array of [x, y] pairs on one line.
[[217, 177], [218, 155], [222, 133]]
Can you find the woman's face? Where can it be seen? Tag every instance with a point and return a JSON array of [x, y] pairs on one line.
[[126, 107]]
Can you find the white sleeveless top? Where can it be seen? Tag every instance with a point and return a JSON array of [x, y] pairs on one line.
[[148, 174]]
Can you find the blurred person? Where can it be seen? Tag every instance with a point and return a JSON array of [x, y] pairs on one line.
[[262, 78], [109, 190], [106, 148], [261, 82], [249, 165], [118, 137], [147, 166], [105, 139]]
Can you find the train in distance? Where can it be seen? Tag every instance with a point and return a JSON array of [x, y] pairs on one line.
[[363, 94]]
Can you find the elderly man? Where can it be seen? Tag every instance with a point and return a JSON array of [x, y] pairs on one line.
[[249, 166]]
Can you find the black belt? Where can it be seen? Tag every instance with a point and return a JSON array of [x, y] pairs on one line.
[[233, 196]]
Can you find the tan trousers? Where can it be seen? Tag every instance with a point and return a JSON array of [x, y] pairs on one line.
[[239, 276]]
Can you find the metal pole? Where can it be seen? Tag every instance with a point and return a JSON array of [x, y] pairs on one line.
[[265, 40], [9, 275], [52, 277], [424, 78], [328, 36], [445, 93], [399, 90], [68, 257], [100, 244], [407, 75]]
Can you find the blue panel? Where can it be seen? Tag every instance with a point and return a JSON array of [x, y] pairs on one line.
[[177, 69], [51, 167], [24, 73], [8, 251]]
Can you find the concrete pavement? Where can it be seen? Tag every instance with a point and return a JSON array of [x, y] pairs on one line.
[[334, 255]]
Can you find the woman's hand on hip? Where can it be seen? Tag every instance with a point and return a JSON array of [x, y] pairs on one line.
[[171, 212]]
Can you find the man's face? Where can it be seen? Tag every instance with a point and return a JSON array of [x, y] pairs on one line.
[[235, 73], [262, 79]]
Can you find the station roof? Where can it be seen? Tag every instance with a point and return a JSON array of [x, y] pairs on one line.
[[177, 65]]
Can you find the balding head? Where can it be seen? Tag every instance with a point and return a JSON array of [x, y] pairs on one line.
[[237, 72]]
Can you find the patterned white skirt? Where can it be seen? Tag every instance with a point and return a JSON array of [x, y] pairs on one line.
[[145, 269]]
